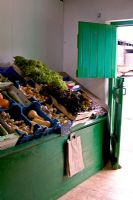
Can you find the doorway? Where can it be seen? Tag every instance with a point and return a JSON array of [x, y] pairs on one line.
[[125, 69]]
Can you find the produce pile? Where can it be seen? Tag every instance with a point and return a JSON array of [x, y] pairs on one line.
[[54, 113], [14, 125], [46, 101], [32, 92], [3, 131], [4, 103], [53, 84], [2, 78], [73, 101], [39, 72], [37, 119]]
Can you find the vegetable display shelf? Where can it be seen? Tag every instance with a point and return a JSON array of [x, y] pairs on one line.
[[37, 169], [32, 169]]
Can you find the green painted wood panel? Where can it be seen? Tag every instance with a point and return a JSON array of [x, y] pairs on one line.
[[96, 50], [123, 23], [100, 57], [36, 170], [115, 104]]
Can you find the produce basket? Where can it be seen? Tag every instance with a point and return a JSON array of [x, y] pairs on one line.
[[31, 90], [9, 118], [26, 131], [9, 90], [16, 93], [32, 93], [40, 130], [36, 106], [13, 119], [11, 74]]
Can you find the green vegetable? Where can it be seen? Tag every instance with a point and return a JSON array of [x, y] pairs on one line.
[[39, 72], [3, 79], [20, 61], [3, 131]]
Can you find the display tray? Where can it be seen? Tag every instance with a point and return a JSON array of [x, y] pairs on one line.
[[36, 106], [13, 118], [11, 74]]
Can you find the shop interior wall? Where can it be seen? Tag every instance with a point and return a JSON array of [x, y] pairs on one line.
[[32, 28], [87, 10]]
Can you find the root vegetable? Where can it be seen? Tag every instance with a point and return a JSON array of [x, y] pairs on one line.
[[42, 122], [33, 114]]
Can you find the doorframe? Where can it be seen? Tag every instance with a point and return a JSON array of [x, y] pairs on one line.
[[111, 89], [122, 23], [117, 24]]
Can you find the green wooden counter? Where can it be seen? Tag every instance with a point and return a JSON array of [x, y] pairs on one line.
[[36, 170]]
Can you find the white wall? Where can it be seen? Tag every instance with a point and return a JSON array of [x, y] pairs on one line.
[[129, 60], [87, 10], [32, 28]]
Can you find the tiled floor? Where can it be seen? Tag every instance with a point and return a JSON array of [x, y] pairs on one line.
[[111, 184], [107, 184]]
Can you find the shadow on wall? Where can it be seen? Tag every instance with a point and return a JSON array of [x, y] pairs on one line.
[[99, 87]]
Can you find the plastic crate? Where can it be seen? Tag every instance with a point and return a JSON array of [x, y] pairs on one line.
[[11, 74], [35, 105], [55, 125], [39, 130], [15, 111]]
